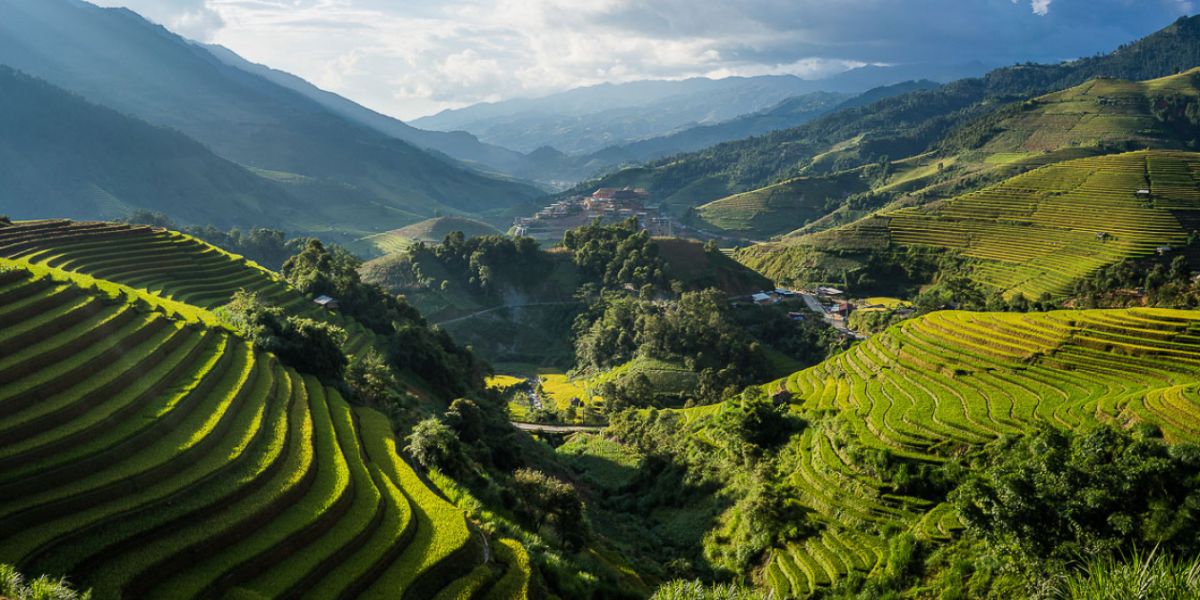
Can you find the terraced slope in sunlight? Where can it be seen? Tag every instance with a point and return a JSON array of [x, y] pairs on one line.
[[952, 380], [146, 456], [164, 263], [1034, 233]]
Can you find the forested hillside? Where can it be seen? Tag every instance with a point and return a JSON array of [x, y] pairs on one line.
[[64, 156]]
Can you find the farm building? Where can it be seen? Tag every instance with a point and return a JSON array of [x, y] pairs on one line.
[[829, 291], [326, 302], [1143, 193], [762, 298]]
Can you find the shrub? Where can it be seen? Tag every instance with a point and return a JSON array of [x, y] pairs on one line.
[[14, 587]]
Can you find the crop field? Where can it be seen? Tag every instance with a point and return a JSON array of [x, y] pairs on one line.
[[159, 264], [1040, 231], [145, 455], [1034, 233], [930, 387]]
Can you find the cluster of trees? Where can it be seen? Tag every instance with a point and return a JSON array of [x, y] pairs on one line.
[[307, 345], [1157, 282], [617, 255], [488, 264], [735, 475], [1054, 514], [698, 331], [474, 443]]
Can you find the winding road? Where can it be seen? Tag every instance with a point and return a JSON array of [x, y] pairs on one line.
[[543, 428]]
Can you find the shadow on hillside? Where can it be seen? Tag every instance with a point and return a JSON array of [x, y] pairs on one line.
[[651, 512]]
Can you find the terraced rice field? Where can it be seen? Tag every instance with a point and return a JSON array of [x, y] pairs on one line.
[[162, 263], [1041, 231], [931, 386], [148, 456]]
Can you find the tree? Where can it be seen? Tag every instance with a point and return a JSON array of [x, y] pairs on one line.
[[434, 445], [466, 419], [373, 382], [310, 346], [1059, 495], [546, 500]]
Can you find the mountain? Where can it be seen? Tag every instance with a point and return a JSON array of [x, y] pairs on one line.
[[900, 126], [115, 58], [458, 145], [65, 156], [589, 119]]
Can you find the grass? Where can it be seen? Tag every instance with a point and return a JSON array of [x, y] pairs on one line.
[[1140, 576]]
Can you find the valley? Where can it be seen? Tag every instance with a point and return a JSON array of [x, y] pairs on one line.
[[898, 330]]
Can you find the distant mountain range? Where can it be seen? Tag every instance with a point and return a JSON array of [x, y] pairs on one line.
[[880, 126], [370, 180], [586, 120]]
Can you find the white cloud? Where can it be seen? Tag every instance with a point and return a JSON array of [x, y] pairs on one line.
[[419, 56], [194, 19]]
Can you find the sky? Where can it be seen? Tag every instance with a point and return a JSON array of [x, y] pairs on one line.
[[409, 58]]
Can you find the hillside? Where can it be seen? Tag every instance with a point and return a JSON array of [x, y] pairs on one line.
[[902, 126], [458, 145], [115, 58], [192, 277], [117, 164], [1032, 234], [961, 379], [430, 230], [149, 452], [780, 208], [920, 395]]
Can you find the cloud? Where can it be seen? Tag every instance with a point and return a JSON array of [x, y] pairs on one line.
[[419, 56], [193, 19]]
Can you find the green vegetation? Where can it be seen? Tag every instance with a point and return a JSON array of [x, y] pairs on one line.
[[1141, 576], [14, 587], [913, 460], [195, 464], [907, 125], [1028, 235], [430, 231], [782, 207]]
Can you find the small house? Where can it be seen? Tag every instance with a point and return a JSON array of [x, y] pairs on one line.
[[1162, 250], [762, 298], [797, 316], [1143, 193], [785, 293], [781, 396], [326, 302], [829, 291]]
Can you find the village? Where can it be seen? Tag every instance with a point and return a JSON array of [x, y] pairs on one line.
[[829, 303], [608, 205]]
